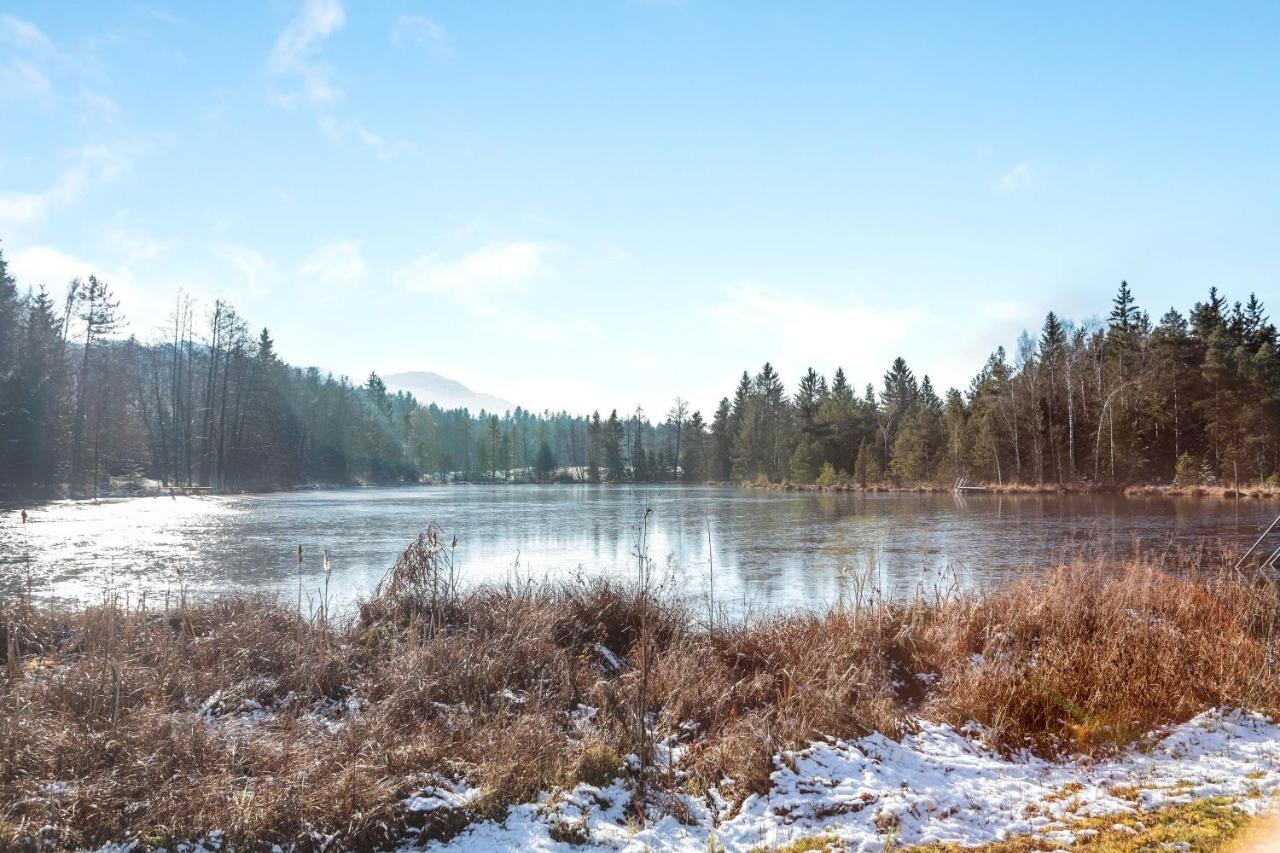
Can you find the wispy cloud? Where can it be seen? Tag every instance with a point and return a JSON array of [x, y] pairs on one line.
[[256, 273], [99, 104], [485, 284], [54, 268], [295, 60], [497, 266], [20, 79], [45, 265], [24, 73], [19, 33], [1014, 179], [336, 263], [419, 31], [120, 237], [807, 331], [1005, 311], [89, 166], [301, 76], [341, 131]]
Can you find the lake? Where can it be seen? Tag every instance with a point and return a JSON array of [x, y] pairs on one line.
[[768, 548]]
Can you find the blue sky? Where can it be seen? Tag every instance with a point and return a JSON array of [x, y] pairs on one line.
[[611, 203]]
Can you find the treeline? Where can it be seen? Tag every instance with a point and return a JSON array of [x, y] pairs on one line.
[[1194, 398], [208, 403]]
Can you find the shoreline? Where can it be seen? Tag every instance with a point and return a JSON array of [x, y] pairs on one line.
[[1253, 491]]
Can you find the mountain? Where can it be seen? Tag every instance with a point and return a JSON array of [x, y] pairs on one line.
[[428, 387]]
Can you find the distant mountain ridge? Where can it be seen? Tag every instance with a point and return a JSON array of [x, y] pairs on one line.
[[428, 387]]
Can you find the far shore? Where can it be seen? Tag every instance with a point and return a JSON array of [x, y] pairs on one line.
[[144, 488], [1254, 490]]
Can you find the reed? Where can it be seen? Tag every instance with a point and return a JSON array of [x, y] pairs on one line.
[[245, 715]]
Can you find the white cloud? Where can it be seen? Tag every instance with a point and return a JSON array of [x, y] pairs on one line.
[[33, 63], [294, 54], [417, 31], [19, 33], [302, 77], [1006, 311], [255, 271], [807, 332], [385, 148], [337, 263], [26, 71], [90, 166], [483, 284], [130, 242], [1014, 179], [340, 131], [496, 266], [99, 104], [37, 265], [45, 265], [20, 79]]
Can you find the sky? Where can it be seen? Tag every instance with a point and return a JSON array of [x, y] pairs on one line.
[[609, 204]]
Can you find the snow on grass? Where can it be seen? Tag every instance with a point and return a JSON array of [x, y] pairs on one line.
[[937, 785]]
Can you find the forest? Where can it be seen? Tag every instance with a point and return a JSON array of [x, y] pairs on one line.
[[1191, 399]]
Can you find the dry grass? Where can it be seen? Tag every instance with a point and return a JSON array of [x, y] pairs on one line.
[[243, 716], [1243, 490], [1255, 491]]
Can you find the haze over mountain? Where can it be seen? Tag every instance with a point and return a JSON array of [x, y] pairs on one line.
[[446, 393]]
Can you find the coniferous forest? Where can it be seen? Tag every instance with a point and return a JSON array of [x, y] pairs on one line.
[[1189, 398]]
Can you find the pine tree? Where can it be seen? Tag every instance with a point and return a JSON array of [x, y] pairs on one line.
[[694, 460], [640, 471], [676, 423], [720, 462], [807, 399], [9, 305], [99, 314], [805, 461], [613, 449], [376, 390], [545, 462], [1122, 309], [1207, 317], [594, 448], [493, 447], [839, 385], [897, 400], [866, 467], [33, 427], [10, 393]]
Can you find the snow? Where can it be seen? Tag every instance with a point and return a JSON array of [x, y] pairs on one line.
[[442, 794], [936, 785]]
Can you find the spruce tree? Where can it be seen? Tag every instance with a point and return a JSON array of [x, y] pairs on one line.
[[1122, 309], [720, 462]]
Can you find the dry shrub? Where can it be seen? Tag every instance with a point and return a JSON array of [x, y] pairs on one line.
[[241, 715], [1090, 655]]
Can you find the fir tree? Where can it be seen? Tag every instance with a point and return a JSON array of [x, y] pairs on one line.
[[1122, 309]]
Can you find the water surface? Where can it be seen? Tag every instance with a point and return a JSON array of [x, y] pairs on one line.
[[767, 548]]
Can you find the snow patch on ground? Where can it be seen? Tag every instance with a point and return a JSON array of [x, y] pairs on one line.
[[936, 785]]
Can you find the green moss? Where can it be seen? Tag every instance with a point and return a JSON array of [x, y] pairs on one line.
[[1202, 825], [806, 845], [597, 765]]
